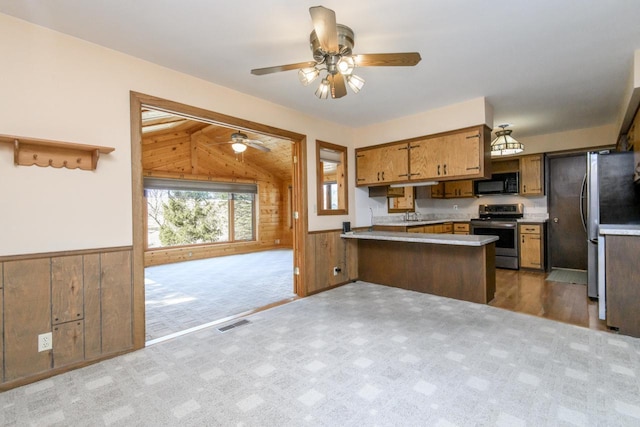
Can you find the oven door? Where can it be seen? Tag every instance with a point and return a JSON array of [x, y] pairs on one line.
[[507, 244]]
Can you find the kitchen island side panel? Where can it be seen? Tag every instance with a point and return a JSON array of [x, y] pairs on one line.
[[461, 272]]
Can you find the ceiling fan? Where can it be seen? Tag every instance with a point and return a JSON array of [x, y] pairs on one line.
[[240, 141], [332, 48]]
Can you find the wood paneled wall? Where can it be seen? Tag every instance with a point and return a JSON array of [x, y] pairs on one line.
[[185, 156], [82, 298], [326, 250]]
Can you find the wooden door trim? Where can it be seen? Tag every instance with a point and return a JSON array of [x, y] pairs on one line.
[[137, 101]]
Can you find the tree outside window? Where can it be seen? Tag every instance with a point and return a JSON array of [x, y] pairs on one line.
[[182, 217]]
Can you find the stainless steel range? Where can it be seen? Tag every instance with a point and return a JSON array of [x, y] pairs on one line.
[[501, 221]]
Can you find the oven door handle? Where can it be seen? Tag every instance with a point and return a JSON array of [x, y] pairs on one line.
[[495, 226]]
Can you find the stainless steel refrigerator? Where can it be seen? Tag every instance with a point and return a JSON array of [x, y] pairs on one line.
[[609, 196]]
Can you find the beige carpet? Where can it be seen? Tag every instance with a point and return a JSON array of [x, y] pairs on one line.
[[185, 295]]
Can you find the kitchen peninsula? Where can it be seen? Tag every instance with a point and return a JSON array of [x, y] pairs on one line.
[[449, 265]]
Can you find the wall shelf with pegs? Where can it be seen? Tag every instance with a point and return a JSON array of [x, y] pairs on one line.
[[58, 154]]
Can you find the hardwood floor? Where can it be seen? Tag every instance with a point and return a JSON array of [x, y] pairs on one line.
[[529, 292]]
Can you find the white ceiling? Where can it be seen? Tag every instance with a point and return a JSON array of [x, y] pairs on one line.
[[544, 65]]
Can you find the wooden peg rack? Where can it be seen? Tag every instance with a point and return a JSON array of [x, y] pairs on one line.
[[58, 154]]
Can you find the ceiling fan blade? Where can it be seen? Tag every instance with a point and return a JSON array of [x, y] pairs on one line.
[[278, 68], [324, 23], [338, 87], [258, 146], [406, 59]]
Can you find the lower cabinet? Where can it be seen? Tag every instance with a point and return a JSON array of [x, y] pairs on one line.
[[461, 228], [622, 278], [531, 246], [441, 228]]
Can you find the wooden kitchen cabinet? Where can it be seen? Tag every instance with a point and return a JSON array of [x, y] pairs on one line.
[[622, 278], [405, 203], [531, 246], [383, 164], [437, 191], [458, 189], [452, 189], [461, 228], [532, 175], [441, 228], [448, 156]]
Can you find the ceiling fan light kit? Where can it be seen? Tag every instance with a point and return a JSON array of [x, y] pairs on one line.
[[308, 75], [504, 144], [238, 147], [323, 90], [332, 49]]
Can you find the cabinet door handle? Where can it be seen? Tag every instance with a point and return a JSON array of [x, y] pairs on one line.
[[383, 175], [474, 168], [524, 188], [404, 174], [378, 176], [404, 148], [359, 155], [414, 174], [414, 146], [445, 168], [522, 239], [438, 170], [361, 179]]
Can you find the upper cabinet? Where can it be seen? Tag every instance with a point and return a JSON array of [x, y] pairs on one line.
[[443, 157], [383, 164], [452, 189], [453, 155], [532, 175]]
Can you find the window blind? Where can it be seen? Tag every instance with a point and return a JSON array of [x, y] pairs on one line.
[[151, 183]]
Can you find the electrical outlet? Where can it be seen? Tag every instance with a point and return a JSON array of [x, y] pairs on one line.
[[336, 270], [45, 342], [455, 207]]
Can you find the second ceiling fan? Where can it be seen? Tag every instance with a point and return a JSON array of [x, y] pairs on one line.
[[332, 48]]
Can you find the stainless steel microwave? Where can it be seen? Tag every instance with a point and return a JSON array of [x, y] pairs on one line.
[[500, 183]]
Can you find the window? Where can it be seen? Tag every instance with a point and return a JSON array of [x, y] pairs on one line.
[[183, 213]]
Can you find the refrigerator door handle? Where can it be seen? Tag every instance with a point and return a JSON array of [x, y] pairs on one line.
[[582, 197]]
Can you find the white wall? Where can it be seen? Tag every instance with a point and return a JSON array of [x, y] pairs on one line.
[[54, 86], [464, 114], [58, 87], [598, 136]]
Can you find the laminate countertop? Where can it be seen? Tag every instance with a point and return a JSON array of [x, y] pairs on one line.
[[620, 229], [436, 239]]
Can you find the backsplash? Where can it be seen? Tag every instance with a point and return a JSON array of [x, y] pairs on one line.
[[375, 208]]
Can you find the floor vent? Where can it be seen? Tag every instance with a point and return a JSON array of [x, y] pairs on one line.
[[233, 325]]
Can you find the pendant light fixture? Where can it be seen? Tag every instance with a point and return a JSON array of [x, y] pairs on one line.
[[505, 144]]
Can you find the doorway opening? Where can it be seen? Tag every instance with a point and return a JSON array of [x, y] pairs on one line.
[[214, 231]]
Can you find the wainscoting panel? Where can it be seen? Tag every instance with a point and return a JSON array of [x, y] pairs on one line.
[[327, 250], [82, 298]]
